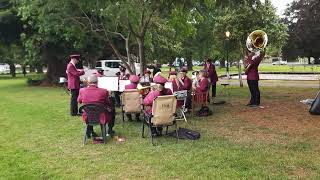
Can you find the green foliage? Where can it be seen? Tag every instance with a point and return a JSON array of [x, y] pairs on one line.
[[35, 80], [302, 18]]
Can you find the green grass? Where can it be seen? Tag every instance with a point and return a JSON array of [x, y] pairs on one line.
[[39, 140], [263, 68]]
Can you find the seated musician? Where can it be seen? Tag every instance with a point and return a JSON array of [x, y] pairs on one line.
[[173, 78], [148, 100], [201, 87], [94, 95], [134, 79], [146, 78], [185, 83], [203, 82], [122, 76]]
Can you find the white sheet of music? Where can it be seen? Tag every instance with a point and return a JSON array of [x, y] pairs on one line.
[[122, 84], [109, 83], [169, 85]]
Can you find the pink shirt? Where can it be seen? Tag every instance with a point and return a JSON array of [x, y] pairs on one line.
[[148, 100], [131, 86]]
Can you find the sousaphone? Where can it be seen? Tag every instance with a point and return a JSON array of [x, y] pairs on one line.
[[257, 41]]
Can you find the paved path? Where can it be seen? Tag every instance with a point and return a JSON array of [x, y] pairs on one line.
[[275, 83]]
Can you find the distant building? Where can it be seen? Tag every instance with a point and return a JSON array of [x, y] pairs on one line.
[[4, 68]]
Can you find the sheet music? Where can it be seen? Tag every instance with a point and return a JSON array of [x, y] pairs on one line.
[[109, 83], [122, 84], [169, 85]]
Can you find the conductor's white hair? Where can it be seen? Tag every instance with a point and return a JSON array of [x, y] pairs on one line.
[[92, 79]]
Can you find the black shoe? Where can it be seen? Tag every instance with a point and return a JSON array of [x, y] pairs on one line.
[[253, 106], [111, 133]]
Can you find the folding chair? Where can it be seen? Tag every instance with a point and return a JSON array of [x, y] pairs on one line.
[[93, 112], [199, 100], [181, 96], [131, 102], [163, 115]]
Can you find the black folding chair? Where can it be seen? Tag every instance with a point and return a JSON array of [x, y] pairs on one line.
[[93, 112]]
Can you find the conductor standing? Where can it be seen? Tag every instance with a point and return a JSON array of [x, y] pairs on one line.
[[74, 82]]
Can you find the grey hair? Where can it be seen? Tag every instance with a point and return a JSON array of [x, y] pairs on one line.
[[92, 79]]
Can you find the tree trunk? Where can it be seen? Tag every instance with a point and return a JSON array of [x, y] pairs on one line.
[[32, 69], [39, 69], [56, 69], [240, 74], [316, 60], [12, 69], [309, 60], [222, 63], [130, 61], [189, 60], [140, 41]]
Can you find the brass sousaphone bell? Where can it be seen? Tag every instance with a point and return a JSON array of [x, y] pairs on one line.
[[257, 41]]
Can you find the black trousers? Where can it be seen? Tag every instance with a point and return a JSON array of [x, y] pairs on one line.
[[117, 98], [214, 89], [129, 116], [254, 91], [74, 102]]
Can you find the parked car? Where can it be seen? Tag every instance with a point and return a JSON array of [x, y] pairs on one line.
[[110, 67], [279, 62]]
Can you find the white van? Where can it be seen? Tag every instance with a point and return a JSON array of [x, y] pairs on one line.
[[111, 67]]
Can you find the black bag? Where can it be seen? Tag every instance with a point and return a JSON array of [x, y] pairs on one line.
[[186, 134], [315, 106], [204, 111]]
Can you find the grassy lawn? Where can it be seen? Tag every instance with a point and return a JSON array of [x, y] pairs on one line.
[[263, 68], [39, 140]]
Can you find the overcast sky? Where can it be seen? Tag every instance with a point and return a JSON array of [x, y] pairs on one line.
[[280, 5]]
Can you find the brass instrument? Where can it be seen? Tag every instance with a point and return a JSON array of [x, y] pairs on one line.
[[256, 42], [144, 90]]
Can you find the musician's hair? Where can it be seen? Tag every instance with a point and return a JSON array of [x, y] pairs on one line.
[[92, 79], [203, 72]]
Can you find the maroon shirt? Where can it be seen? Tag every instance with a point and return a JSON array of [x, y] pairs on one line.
[[94, 95], [252, 73], [187, 83], [212, 73], [73, 76]]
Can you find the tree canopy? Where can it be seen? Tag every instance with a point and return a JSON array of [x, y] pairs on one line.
[[303, 19], [136, 30]]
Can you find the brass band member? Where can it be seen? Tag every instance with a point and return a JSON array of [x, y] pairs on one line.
[[148, 100], [74, 82], [212, 75], [185, 83], [173, 78], [146, 78], [253, 60]]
